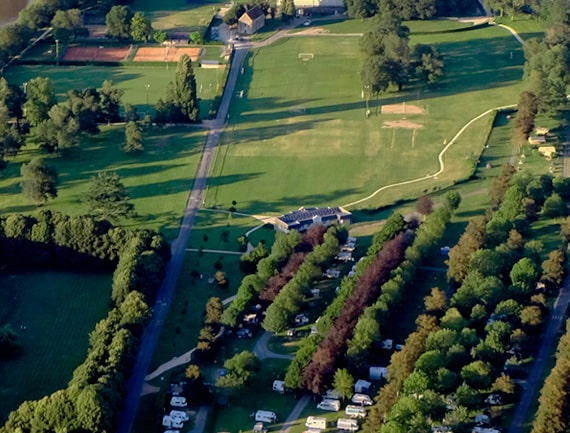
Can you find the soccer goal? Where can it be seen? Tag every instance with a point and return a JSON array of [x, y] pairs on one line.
[[305, 57]]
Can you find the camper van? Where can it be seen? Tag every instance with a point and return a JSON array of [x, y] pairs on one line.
[[329, 404], [315, 422], [178, 402], [353, 411], [347, 424], [265, 416]]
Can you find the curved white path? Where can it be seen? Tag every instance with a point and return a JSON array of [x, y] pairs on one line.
[[439, 158]]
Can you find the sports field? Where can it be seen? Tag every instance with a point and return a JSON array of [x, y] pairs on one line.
[[157, 180], [132, 79], [95, 54], [52, 330], [301, 135]]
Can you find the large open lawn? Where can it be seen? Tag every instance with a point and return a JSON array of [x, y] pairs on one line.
[[178, 16], [132, 79], [157, 180], [300, 136], [52, 313]]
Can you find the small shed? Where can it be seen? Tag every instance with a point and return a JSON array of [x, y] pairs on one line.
[[362, 386], [279, 386], [537, 139], [377, 373]]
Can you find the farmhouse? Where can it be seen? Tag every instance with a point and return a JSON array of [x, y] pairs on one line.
[[251, 21], [304, 218]]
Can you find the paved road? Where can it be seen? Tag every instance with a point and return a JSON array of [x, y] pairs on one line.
[[166, 291], [263, 352], [549, 341]]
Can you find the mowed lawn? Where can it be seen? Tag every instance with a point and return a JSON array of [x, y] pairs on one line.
[[300, 136], [178, 15], [157, 181], [132, 79], [52, 308]]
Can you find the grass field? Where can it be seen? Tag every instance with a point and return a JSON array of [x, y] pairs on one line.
[[178, 16], [55, 340], [132, 79], [157, 180], [307, 141]]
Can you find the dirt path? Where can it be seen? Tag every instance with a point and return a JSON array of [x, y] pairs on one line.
[[295, 414]]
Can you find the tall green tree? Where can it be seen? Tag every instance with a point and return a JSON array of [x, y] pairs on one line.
[[185, 94], [118, 22], [110, 101], [40, 97], [39, 181], [107, 198], [133, 138], [343, 382], [141, 28], [68, 25]]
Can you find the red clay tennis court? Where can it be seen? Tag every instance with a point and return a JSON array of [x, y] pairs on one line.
[[170, 54], [96, 54]]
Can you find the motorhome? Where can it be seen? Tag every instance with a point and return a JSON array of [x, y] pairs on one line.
[[265, 416], [329, 404], [353, 411], [316, 422], [347, 424]]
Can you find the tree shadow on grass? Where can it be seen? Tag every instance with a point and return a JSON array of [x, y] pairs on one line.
[[471, 66]]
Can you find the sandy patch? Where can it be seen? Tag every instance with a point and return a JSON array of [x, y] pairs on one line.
[[404, 124], [171, 54], [402, 108], [99, 54]]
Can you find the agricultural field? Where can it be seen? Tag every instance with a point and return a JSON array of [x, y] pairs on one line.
[[143, 85], [49, 332], [157, 180], [307, 140]]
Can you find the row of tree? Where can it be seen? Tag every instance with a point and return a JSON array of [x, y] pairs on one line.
[[552, 415], [410, 9], [252, 285], [289, 300], [494, 311], [95, 392], [294, 376]]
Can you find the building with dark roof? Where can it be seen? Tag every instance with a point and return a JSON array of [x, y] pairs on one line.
[[303, 218], [251, 21]]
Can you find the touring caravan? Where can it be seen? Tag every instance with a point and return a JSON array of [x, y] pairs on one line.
[[265, 416], [316, 422], [347, 424], [329, 404], [353, 411]]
